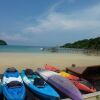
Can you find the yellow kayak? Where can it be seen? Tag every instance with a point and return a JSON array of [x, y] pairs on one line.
[[81, 84], [69, 76]]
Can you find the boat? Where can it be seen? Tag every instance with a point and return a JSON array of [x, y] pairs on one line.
[[69, 76], [0, 87], [60, 83], [38, 86], [81, 84], [1, 93], [51, 68], [55, 69], [13, 86]]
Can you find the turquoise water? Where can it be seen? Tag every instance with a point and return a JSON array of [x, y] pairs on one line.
[[20, 49], [38, 49]]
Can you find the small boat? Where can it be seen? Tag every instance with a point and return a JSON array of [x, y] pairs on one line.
[[51, 68], [60, 83], [55, 69], [81, 84], [13, 86], [69, 76], [1, 93], [0, 87], [38, 86]]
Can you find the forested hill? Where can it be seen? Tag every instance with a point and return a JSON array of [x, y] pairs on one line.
[[93, 43], [2, 42]]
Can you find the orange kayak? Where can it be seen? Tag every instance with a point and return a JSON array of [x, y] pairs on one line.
[[80, 83], [51, 68]]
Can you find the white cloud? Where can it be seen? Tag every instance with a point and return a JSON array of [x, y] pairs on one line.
[[83, 20], [52, 24], [12, 37], [57, 28]]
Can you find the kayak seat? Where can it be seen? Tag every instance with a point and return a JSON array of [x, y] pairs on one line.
[[12, 69], [12, 72], [38, 82], [29, 73], [14, 84]]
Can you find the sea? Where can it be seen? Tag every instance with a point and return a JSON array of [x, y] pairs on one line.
[[38, 49]]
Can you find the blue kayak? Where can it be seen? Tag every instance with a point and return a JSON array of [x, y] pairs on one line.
[[13, 86], [38, 86], [0, 87], [65, 86], [1, 93]]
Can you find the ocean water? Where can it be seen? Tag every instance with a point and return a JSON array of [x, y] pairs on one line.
[[21, 49], [38, 49]]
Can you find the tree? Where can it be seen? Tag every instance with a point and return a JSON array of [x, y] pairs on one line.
[[2, 42], [93, 43]]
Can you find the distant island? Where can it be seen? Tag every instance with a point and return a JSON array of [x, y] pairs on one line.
[[93, 43], [2, 42]]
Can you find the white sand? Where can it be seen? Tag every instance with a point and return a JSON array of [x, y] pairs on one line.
[[34, 60]]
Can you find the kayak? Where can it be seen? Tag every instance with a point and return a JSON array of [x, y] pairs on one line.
[[38, 86], [51, 68], [80, 83], [60, 83], [13, 86], [69, 76], [1, 93], [55, 69], [0, 87], [84, 86]]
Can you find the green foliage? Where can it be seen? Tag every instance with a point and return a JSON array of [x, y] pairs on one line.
[[2, 42], [93, 43]]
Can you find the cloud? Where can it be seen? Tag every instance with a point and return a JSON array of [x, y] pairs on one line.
[[13, 37], [53, 27], [55, 21]]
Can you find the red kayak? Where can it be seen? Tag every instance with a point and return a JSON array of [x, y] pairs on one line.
[[84, 85], [55, 69], [51, 68], [80, 83]]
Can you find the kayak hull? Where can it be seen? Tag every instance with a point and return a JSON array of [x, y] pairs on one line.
[[51, 68], [45, 93], [79, 83], [60, 83], [69, 76], [15, 92], [0, 87], [1, 92]]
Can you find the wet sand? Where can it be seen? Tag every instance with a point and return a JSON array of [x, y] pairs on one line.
[[35, 60]]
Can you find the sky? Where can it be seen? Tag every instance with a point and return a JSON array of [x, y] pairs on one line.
[[48, 22]]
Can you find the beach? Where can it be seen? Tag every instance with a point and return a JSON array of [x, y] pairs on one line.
[[35, 60]]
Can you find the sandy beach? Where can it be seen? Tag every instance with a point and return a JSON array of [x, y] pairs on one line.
[[34, 60]]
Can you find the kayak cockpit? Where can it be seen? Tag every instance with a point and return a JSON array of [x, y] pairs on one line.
[[11, 70], [34, 78], [38, 82], [14, 84], [29, 73]]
